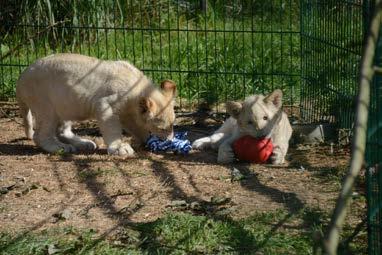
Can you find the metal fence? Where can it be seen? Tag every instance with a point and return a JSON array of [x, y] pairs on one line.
[[215, 50], [374, 160], [331, 44]]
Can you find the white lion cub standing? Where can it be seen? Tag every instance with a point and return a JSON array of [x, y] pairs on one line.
[[257, 116], [60, 88]]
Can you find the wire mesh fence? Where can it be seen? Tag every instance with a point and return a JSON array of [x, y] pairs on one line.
[[224, 50], [331, 44], [374, 159], [214, 50]]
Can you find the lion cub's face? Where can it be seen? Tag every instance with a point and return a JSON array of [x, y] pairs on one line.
[[157, 111], [257, 115]]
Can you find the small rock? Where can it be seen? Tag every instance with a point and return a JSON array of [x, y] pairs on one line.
[[46, 189], [53, 220], [195, 206], [64, 215], [236, 175], [52, 249], [34, 186], [216, 200], [117, 242], [20, 178], [6, 189], [27, 190], [178, 203]]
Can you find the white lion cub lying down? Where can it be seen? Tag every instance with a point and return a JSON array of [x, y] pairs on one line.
[[257, 116], [60, 88]]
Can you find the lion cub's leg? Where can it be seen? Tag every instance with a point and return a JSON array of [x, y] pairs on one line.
[[66, 135], [211, 141], [111, 130], [45, 132], [225, 151], [217, 138], [279, 151]]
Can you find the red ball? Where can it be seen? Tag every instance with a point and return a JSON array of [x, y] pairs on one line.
[[255, 150]]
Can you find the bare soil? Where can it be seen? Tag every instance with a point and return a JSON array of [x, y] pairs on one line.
[[98, 191]]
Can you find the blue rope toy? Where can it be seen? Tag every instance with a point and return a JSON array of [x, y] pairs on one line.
[[179, 144]]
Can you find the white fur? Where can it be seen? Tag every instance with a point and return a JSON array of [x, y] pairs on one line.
[[248, 118], [64, 87]]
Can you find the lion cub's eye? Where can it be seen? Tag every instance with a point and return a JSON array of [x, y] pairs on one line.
[[265, 118]]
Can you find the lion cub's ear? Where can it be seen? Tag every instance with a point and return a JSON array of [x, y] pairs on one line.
[[234, 108], [147, 105], [275, 98], [168, 88]]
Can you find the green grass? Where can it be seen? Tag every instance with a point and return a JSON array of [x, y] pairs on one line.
[[227, 61], [234, 49], [182, 233]]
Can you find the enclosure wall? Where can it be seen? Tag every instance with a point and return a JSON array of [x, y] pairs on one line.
[[331, 41], [214, 50]]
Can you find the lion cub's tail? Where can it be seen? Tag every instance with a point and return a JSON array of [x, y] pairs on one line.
[[26, 114]]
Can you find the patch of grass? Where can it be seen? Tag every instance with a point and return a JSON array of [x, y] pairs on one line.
[[59, 241], [211, 56], [276, 232], [234, 49]]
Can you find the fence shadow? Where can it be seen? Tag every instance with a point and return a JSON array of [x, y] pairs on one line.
[[242, 239]]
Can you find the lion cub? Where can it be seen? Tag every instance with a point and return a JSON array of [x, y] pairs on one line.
[[60, 88], [257, 116]]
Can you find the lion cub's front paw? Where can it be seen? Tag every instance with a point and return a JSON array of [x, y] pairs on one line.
[[86, 145], [121, 149], [277, 158], [201, 143], [225, 155]]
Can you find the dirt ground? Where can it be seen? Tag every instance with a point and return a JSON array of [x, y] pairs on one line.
[[98, 191]]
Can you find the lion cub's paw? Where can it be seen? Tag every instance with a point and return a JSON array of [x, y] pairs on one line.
[[277, 158], [225, 155], [201, 143], [86, 145], [122, 149]]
